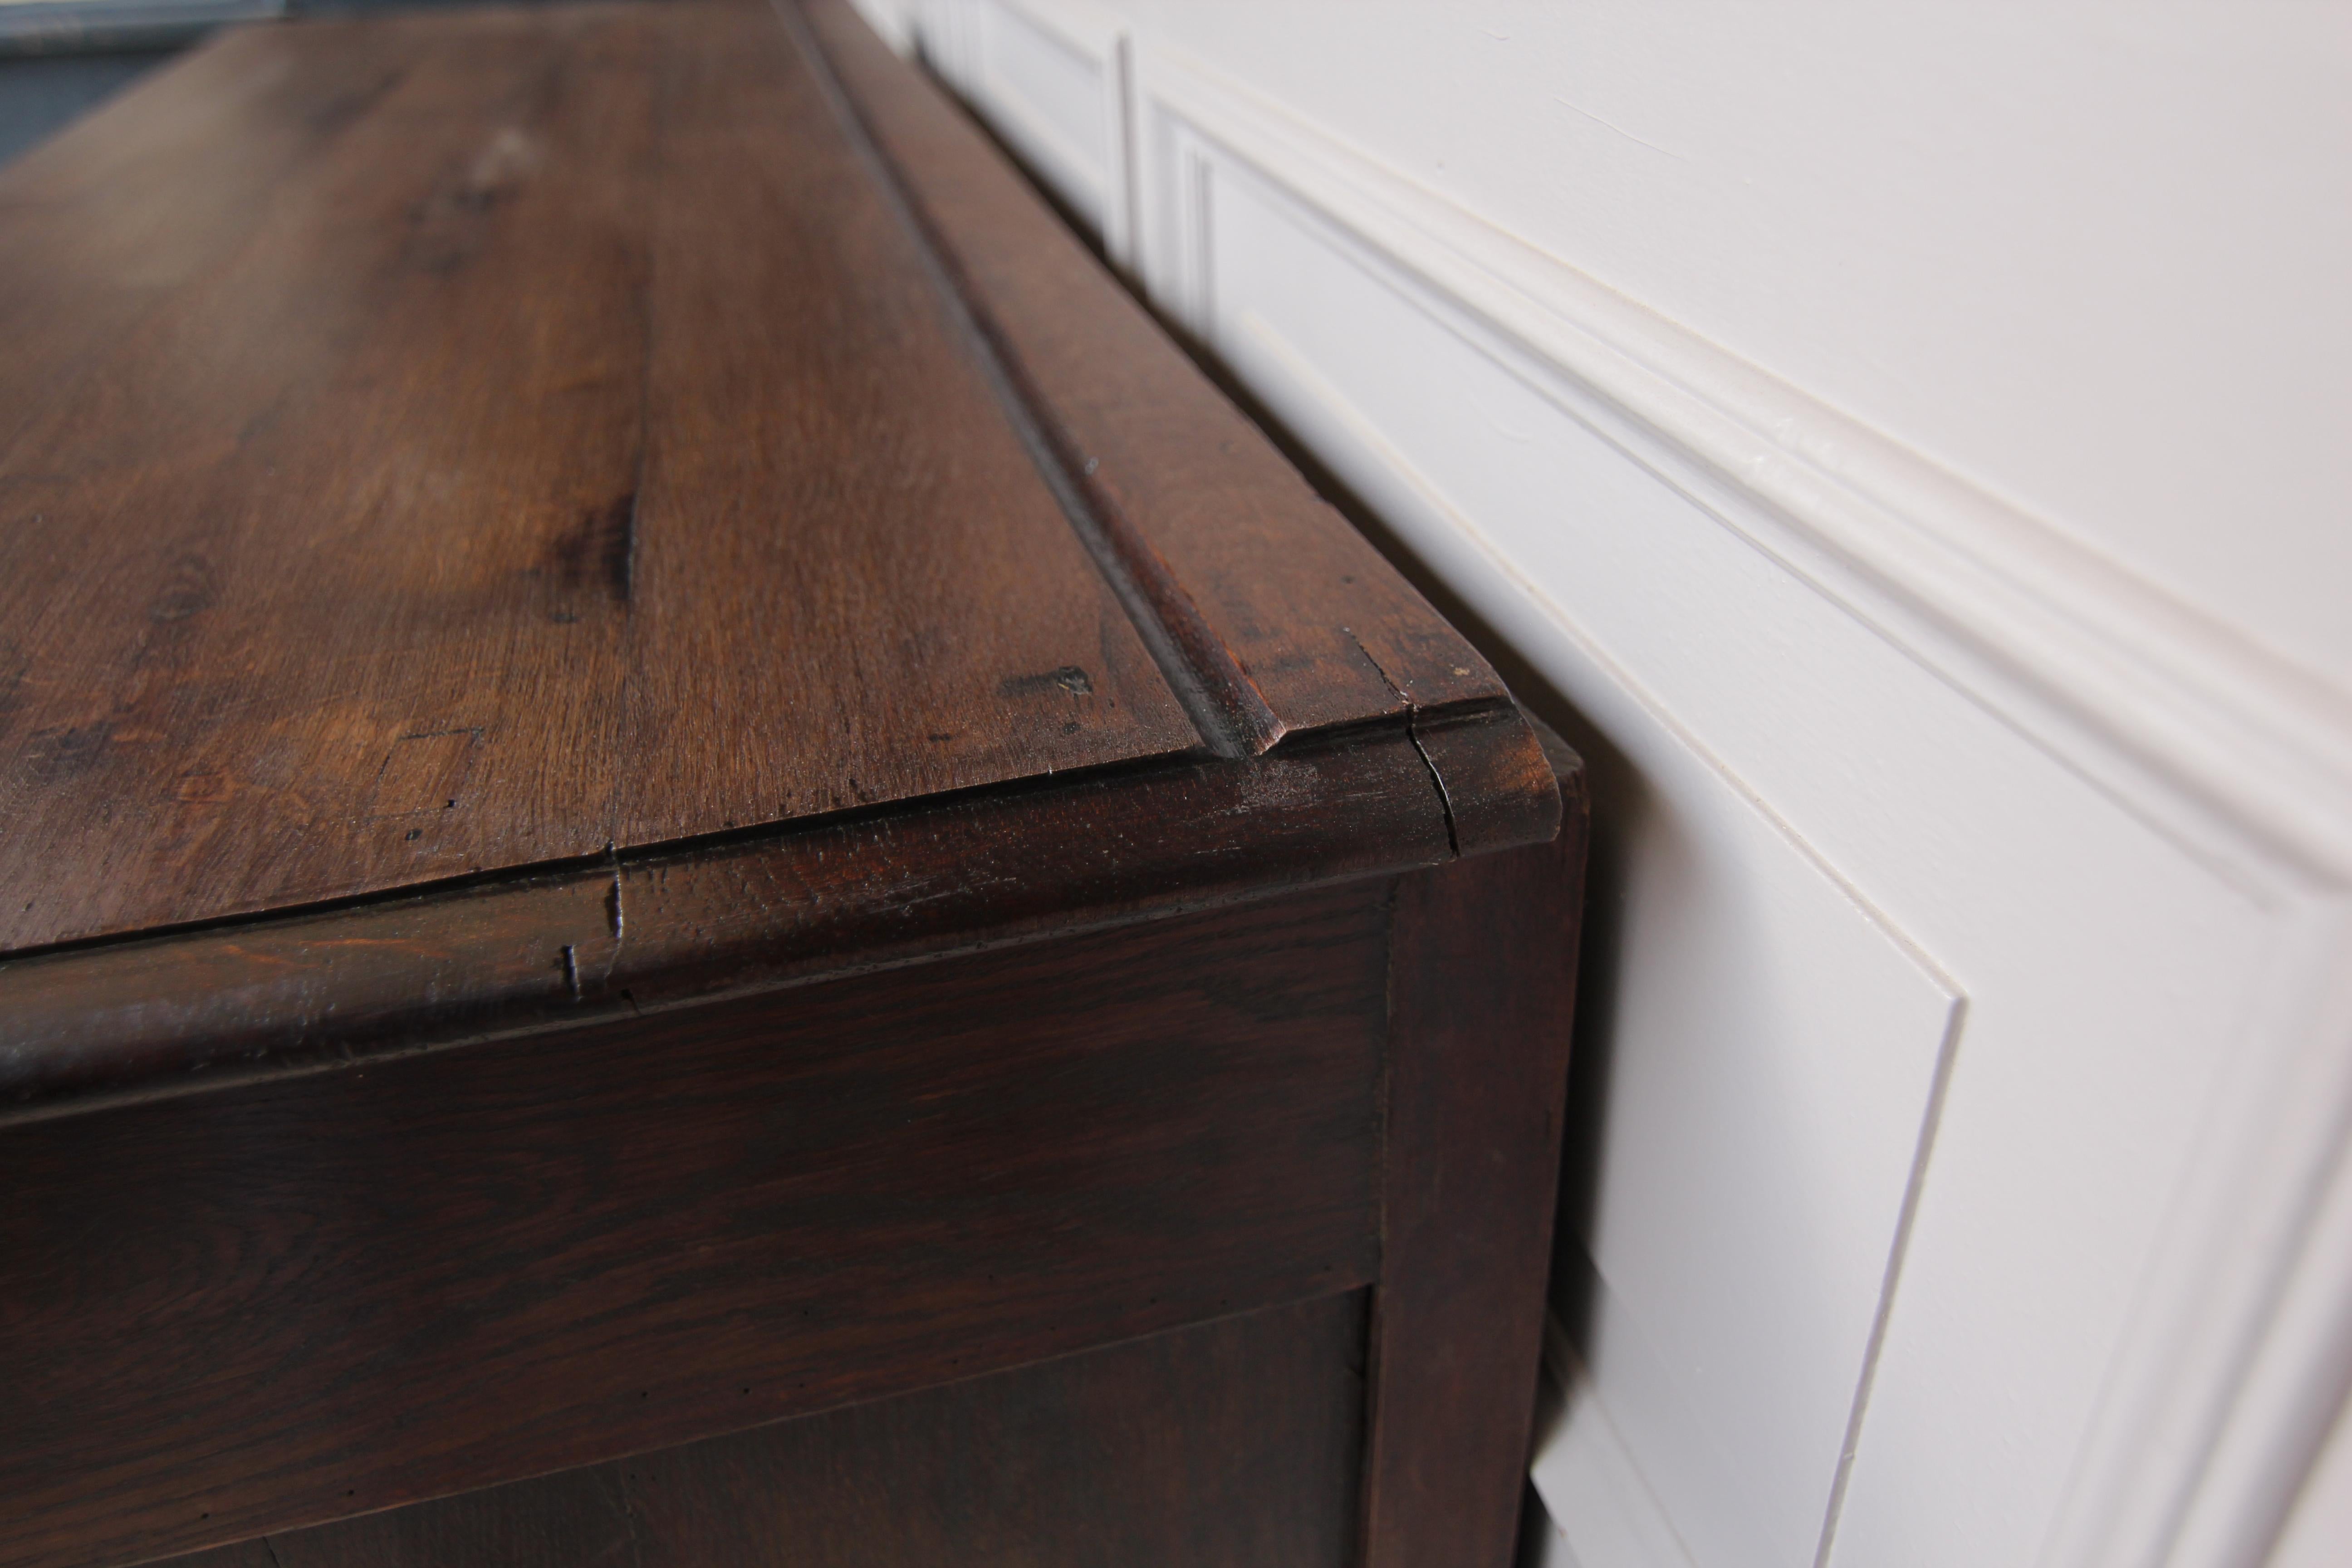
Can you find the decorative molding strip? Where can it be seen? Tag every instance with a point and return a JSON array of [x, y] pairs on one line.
[[965, 41], [1096, 36], [1586, 1477]]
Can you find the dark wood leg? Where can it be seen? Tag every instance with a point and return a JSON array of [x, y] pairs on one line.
[[1482, 984]]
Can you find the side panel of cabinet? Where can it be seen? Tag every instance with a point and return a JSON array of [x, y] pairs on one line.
[[299, 1300], [1225, 1446]]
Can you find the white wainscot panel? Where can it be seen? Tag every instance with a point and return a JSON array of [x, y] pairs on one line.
[[1047, 76], [1766, 1085], [1825, 844]]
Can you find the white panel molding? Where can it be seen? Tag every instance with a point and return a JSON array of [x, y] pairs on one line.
[[893, 20], [1584, 1474], [1075, 134], [2257, 1470], [1077, 138], [2233, 1364], [2321, 1521], [937, 35]]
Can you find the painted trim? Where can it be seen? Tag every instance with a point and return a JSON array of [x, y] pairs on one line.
[[1584, 1476]]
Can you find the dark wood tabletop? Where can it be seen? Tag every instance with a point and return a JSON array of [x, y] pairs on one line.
[[544, 531], [467, 445], [566, 439]]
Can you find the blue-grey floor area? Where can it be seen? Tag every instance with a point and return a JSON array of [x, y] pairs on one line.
[[42, 93]]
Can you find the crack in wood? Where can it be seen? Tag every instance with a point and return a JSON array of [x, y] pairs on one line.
[[1412, 733]]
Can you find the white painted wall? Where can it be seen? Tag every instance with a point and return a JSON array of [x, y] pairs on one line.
[[1906, 448]]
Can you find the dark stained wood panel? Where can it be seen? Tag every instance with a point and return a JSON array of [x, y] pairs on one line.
[[291, 1301], [254, 1553], [573, 447], [1230, 1445], [575, 1519]]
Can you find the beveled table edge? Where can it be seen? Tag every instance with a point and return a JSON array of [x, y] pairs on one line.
[[159, 1015]]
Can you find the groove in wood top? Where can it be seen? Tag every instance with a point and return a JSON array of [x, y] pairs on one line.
[[1224, 705], [1261, 571]]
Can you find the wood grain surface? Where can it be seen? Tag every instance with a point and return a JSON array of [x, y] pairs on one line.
[[1230, 1445], [1481, 989], [296, 1301], [458, 442], [575, 447]]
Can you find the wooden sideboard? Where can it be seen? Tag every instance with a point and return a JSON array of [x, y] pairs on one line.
[[703, 866]]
